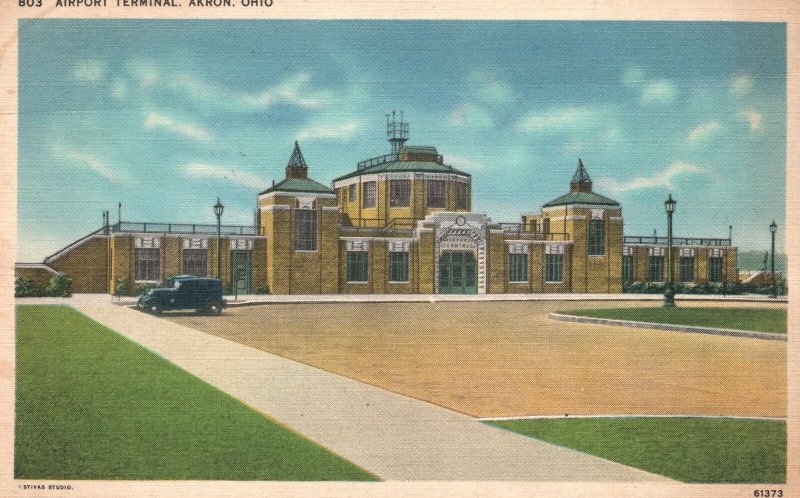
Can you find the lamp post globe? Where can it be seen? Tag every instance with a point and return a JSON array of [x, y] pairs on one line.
[[773, 228], [218, 209], [669, 292]]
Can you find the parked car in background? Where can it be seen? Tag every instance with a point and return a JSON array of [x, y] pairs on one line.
[[185, 292]]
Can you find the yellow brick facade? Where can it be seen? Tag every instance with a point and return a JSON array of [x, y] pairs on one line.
[[573, 244]]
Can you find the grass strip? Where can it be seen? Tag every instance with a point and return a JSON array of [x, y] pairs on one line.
[[688, 449], [753, 319], [91, 404]]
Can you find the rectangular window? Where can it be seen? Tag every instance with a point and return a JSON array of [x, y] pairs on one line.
[[148, 265], [351, 191], [546, 225], [715, 269], [370, 195], [656, 265], [398, 267], [435, 193], [195, 262], [357, 266], [687, 269], [597, 238], [305, 230], [627, 268], [399, 193], [517, 267], [555, 267], [463, 197]]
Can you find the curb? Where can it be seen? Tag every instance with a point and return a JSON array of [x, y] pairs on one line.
[[670, 327]]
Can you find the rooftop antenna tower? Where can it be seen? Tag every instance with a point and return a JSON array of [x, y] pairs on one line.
[[396, 132]]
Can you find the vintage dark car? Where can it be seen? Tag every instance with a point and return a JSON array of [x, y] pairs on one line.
[[185, 292]]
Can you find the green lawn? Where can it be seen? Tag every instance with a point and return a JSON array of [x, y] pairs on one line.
[[93, 405], [697, 450], [755, 319]]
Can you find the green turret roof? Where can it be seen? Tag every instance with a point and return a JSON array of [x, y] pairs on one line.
[[580, 191], [299, 185], [582, 198], [403, 167]]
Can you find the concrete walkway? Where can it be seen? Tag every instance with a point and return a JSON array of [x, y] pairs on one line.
[[392, 436]]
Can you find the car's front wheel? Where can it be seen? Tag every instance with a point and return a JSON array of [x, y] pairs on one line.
[[213, 308]]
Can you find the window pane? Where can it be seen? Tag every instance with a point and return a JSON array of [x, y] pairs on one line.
[[147, 264], [370, 195], [352, 192], [656, 264], [554, 264], [687, 269], [398, 267], [597, 236], [305, 230], [462, 195], [517, 267], [435, 193], [195, 262], [627, 268], [399, 193], [715, 269], [357, 266]]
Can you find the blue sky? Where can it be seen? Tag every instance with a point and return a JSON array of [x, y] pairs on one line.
[[165, 116]]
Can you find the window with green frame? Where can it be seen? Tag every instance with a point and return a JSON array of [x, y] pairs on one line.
[[715, 269], [687, 269], [656, 267], [517, 267], [398, 267], [554, 264], [357, 270], [627, 268], [597, 238]]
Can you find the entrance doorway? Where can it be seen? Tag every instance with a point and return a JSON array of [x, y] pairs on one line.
[[458, 273], [240, 272]]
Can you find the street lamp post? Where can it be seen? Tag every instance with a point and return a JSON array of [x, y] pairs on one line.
[[669, 293], [773, 227], [218, 208]]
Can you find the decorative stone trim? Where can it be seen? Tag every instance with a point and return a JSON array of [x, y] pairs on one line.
[[238, 244], [195, 243], [147, 242]]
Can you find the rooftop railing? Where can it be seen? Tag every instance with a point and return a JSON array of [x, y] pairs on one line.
[[389, 158], [518, 230], [676, 241], [183, 228]]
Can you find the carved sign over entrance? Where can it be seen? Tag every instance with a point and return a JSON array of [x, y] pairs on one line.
[[461, 232]]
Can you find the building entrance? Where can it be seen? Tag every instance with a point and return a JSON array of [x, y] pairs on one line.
[[458, 273], [240, 272]]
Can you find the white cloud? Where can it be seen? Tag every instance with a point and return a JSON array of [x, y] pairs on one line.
[[156, 121], [562, 120], [661, 179], [224, 173], [343, 131], [119, 89], [704, 131], [633, 75], [294, 90], [741, 85], [463, 163], [86, 160], [471, 115], [90, 71], [753, 118], [659, 92], [489, 88]]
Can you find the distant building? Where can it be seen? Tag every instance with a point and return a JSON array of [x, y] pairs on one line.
[[399, 223]]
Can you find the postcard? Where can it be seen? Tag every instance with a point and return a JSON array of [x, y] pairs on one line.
[[446, 249]]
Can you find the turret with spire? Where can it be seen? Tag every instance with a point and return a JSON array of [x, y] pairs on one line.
[[580, 180], [297, 167]]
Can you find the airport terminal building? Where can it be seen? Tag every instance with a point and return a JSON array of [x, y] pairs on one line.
[[398, 223]]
